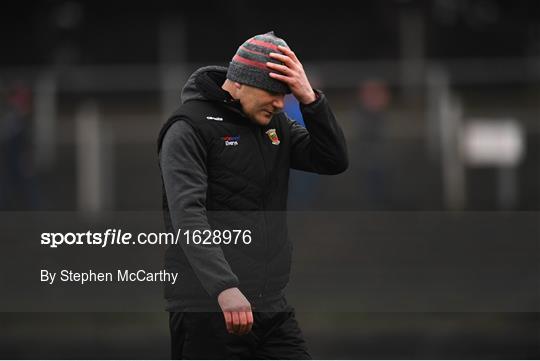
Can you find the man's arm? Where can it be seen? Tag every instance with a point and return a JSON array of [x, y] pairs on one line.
[[183, 166], [321, 148]]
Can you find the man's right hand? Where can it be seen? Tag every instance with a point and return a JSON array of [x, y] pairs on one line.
[[237, 311]]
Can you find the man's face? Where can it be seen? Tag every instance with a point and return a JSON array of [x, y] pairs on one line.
[[258, 104]]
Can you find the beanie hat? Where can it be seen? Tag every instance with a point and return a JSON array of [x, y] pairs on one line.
[[248, 66]]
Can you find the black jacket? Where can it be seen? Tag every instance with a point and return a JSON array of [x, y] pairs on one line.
[[221, 171]]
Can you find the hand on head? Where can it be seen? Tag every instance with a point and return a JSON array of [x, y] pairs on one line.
[[292, 73]]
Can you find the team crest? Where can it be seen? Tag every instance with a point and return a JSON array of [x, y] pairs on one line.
[[273, 136]]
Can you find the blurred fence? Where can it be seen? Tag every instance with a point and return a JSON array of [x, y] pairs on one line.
[[428, 118]]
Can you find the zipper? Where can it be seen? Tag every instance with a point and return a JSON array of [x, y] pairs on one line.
[[259, 133]]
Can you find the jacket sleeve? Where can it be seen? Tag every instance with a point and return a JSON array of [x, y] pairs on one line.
[[183, 167], [320, 147]]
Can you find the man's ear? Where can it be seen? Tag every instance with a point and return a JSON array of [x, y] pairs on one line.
[[237, 85]]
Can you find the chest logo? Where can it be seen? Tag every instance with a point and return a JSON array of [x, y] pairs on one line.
[[231, 140], [273, 136]]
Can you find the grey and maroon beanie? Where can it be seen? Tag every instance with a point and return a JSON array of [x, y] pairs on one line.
[[248, 66]]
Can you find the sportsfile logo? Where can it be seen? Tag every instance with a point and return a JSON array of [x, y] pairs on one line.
[[231, 140]]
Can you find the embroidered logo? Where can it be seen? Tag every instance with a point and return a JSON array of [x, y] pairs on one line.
[[273, 136], [231, 140], [219, 119]]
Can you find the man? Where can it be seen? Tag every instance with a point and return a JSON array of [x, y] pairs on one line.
[[225, 156]]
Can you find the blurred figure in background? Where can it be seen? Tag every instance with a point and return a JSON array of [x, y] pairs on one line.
[[373, 98], [17, 190]]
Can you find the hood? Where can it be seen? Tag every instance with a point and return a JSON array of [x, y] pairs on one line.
[[205, 84]]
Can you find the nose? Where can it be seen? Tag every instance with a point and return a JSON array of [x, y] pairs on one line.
[[279, 102]]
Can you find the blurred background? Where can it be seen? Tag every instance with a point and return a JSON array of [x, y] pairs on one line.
[[439, 101]]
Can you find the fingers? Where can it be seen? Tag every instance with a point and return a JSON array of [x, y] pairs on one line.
[[278, 67], [288, 57], [236, 311], [249, 320], [288, 52], [228, 321], [285, 59], [243, 323], [235, 322], [282, 78], [238, 322], [290, 72]]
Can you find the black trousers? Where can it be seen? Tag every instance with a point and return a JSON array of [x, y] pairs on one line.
[[203, 335]]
